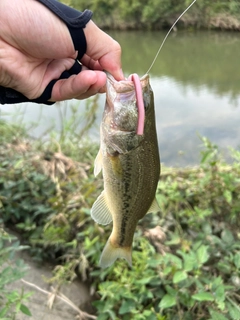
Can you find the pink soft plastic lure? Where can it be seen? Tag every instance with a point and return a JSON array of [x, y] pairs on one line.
[[140, 104]]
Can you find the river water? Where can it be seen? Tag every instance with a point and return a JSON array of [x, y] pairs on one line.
[[196, 84]]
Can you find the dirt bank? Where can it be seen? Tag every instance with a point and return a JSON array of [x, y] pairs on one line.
[[75, 295]]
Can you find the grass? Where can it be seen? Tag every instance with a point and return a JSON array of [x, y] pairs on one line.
[[186, 258]]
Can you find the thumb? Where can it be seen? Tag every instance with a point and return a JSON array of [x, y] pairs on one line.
[[104, 49], [111, 62]]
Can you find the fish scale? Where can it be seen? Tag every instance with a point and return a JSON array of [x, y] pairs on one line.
[[130, 164]]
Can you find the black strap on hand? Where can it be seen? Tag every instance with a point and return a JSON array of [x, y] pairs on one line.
[[75, 21], [10, 96]]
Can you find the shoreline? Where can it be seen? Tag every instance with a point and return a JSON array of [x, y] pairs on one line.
[[216, 22]]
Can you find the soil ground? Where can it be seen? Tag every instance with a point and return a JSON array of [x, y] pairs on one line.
[[77, 292]]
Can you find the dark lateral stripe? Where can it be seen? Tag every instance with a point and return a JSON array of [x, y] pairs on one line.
[[126, 200]]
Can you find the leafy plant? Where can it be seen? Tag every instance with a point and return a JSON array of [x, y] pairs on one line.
[[11, 302], [198, 276], [193, 274], [158, 14]]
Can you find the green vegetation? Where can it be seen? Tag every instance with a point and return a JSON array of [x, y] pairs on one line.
[[157, 14], [186, 259], [11, 302]]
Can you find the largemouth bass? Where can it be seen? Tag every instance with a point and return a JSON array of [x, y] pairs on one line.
[[130, 164]]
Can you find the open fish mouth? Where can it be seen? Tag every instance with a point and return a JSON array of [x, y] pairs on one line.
[[121, 93]]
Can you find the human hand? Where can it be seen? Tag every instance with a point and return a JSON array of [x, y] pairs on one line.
[[36, 47]]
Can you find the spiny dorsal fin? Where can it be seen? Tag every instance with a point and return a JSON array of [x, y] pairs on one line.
[[154, 208], [100, 211], [98, 163]]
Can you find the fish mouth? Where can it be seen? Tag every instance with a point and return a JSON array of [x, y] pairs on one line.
[[133, 82]]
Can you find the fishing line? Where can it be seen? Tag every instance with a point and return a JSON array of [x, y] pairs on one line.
[[168, 35]]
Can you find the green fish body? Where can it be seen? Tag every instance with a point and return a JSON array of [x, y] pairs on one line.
[[130, 164]]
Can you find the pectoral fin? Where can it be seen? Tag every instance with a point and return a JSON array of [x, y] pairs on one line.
[[100, 211], [98, 163], [154, 208]]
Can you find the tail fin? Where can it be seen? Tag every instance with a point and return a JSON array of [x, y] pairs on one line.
[[110, 254]]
